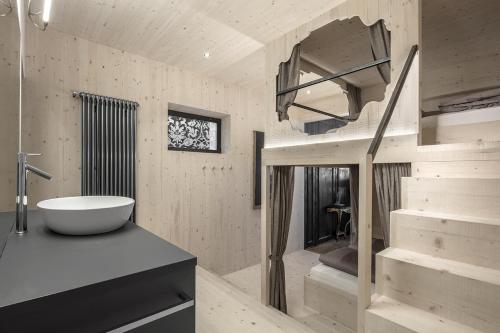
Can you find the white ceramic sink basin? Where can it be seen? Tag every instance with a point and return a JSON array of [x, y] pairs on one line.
[[86, 215]]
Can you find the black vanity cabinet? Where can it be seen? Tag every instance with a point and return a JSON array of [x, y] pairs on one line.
[[125, 281]]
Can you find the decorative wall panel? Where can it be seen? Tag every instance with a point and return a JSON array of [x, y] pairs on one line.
[[192, 132]]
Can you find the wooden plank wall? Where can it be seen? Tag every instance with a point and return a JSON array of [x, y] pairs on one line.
[[201, 202], [402, 18], [9, 104], [460, 48], [474, 132]]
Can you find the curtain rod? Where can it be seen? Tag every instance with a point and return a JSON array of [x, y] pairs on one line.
[[82, 94], [340, 118], [335, 76]]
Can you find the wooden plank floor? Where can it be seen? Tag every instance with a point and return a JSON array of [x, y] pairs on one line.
[[297, 265], [223, 308]]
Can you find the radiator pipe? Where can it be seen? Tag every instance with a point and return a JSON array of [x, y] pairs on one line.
[[108, 151]]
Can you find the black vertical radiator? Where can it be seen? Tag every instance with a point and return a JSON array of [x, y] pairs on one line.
[[109, 132]]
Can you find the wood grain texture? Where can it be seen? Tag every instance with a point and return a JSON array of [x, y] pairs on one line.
[[457, 169], [441, 271], [475, 132], [402, 18], [201, 202], [294, 148], [461, 292], [332, 302], [460, 48], [468, 239], [178, 32], [389, 316], [9, 104], [364, 239], [459, 196], [223, 308], [297, 265], [392, 149]]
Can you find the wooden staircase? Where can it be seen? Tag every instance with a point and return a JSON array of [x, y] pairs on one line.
[[442, 270]]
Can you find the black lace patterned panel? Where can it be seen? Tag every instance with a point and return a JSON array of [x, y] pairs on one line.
[[192, 132]]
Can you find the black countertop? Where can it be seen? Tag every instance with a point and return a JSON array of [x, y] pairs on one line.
[[42, 263]]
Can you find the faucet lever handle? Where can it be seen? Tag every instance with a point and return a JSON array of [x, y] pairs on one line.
[[39, 172], [33, 154]]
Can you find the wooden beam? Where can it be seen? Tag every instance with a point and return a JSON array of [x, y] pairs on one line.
[[418, 92], [395, 149], [364, 238]]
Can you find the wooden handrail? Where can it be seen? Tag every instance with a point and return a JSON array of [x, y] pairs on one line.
[[392, 103], [366, 196]]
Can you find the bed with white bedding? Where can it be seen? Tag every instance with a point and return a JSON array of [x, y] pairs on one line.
[[333, 293], [336, 278]]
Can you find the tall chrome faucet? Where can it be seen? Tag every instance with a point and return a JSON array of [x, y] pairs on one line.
[[22, 199]]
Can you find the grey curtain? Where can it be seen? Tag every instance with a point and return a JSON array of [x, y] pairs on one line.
[[380, 40], [282, 184], [288, 77], [354, 193], [354, 99], [388, 186]]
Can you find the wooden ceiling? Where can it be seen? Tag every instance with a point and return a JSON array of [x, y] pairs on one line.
[[316, 92], [460, 49], [456, 31], [178, 32], [332, 48], [327, 96], [340, 45]]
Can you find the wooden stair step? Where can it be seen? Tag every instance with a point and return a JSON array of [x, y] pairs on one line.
[[472, 240], [457, 169], [459, 196], [462, 146], [472, 151], [455, 290], [386, 315]]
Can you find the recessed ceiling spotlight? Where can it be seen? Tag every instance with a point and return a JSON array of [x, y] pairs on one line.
[[206, 54], [308, 92]]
